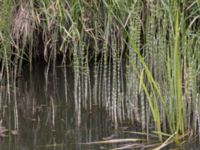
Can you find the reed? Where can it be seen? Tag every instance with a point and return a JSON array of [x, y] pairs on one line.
[[176, 63], [158, 39]]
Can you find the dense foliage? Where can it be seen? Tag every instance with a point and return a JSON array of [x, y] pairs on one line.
[[160, 39]]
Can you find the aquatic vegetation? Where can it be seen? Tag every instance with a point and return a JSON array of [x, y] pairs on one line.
[[158, 42]]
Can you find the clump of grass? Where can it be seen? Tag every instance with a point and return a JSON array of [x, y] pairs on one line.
[[23, 24], [166, 88]]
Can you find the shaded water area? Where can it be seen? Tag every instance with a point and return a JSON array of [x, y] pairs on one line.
[[55, 110], [65, 107]]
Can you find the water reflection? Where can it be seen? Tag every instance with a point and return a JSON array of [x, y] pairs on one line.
[[47, 119]]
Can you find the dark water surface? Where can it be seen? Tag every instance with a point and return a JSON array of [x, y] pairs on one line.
[[49, 117]]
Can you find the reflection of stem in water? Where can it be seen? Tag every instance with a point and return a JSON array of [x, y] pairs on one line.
[[121, 81], [1, 89], [95, 84], [55, 85], [120, 100], [77, 88], [35, 134], [65, 81], [53, 111], [85, 89], [109, 83], [15, 100], [79, 102], [95, 98], [46, 73], [9, 128], [77, 136], [89, 90], [7, 79], [100, 70], [77, 95]]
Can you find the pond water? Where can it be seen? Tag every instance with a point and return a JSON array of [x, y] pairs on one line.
[[60, 109], [47, 117]]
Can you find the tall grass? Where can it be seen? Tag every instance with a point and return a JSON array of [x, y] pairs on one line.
[[175, 66], [158, 39]]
